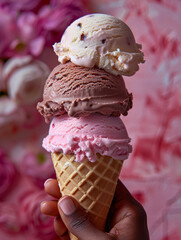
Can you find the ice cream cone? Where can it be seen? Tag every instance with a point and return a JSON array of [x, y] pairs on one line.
[[91, 184]]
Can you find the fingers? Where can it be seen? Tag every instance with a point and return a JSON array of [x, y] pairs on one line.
[[123, 206], [49, 208], [52, 188], [133, 225], [127, 217], [60, 228], [77, 222]]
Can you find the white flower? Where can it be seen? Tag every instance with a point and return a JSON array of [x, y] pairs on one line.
[[24, 78]]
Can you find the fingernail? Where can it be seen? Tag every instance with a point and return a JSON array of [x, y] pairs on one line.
[[43, 205], [49, 179], [67, 205]]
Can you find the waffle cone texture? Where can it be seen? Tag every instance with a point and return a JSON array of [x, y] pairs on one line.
[[91, 184]]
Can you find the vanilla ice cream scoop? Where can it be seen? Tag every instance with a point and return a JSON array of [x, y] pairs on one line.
[[103, 41]]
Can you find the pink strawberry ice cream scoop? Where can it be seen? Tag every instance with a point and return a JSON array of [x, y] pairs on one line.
[[86, 136]]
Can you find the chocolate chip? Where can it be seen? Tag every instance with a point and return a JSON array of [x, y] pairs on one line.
[[103, 41], [79, 25], [54, 77], [82, 37]]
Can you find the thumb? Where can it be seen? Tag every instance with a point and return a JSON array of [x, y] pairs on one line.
[[77, 222]]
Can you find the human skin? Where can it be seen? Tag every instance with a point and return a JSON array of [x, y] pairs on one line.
[[127, 218]]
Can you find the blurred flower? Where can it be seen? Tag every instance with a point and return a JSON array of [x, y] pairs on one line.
[[38, 166], [32, 116], [139, 196], [28, 26], [36, 223], [57, 16], [158, 139], [9, 218], [24, 79], [10, 114], [7, 174], [32, 39], [9, 31], [20, 5]]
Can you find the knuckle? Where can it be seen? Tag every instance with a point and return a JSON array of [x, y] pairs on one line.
[[79, 222]]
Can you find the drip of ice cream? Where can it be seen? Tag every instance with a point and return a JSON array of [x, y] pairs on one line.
[[103, 41], [86, 136], [80, 91]]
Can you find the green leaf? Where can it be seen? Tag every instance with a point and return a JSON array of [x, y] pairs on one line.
[[41, 158]]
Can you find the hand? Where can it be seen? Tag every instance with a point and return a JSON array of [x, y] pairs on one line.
[[126, 220]]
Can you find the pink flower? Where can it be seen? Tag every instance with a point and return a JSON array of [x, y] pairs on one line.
[[58, 16], [9, 218], [31, 35], [28, 32], [157, 148], [20, 5], [25, 35], [24, 79], [7, 174], [172, 236], [38, 166], [9, 31], [37, 224], [139, 196]]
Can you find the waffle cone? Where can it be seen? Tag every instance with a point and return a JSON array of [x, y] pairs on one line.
[[91, 184]]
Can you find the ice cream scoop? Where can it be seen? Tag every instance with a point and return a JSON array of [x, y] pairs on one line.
[[103, 41], [86, 136], [80, 91]]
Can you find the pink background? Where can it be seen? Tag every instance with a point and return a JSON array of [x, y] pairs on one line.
[[153, 171]]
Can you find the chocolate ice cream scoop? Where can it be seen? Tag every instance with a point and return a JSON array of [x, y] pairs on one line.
[[80, 91]]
